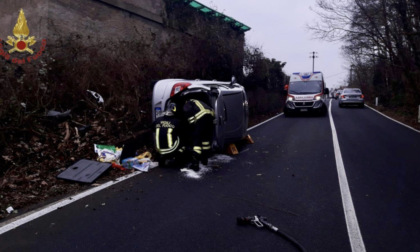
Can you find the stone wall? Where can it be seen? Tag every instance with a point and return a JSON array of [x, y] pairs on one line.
[[160, 25]]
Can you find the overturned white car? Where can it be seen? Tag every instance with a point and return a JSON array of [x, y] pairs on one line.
[[228, 99]]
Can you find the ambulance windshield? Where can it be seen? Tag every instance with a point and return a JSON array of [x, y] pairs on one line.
[[305, 87]]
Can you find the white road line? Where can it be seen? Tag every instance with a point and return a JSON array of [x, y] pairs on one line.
[[12, 224], [355, 236], [418, 131], [253, 127]]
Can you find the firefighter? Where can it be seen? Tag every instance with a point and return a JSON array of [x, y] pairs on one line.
[[199, 117], [169, 137]]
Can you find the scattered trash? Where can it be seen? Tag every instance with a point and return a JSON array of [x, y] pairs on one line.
[[108, 153], [59, 117], [97, 97], [144, 155], [133, 162], [117, 166], [84, 170], [141, 162], [56, 114], [9, 209]]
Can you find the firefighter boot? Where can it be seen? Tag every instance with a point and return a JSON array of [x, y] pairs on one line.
[[195, 163], [205, 158]]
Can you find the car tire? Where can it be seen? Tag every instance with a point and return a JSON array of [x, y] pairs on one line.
[[340, 105], [362, 105]]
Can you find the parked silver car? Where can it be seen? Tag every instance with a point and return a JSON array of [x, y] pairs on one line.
[[228, 99], [351, 96]]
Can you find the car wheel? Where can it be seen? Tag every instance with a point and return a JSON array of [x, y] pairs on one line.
[[340, 105], [362, 105]]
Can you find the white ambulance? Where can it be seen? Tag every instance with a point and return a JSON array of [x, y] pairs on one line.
[[306, 93]]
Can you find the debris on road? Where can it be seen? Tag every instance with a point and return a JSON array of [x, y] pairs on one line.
[[117, 166], [108, 153], [141, 162], [9, 209], [98, 98], [85, 171], [59, 117]]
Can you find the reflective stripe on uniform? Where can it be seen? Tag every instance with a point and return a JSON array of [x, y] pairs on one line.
[[203, 111], [169, 150], [157, 139], [206, 145], [172, 145], [182, 149], [169, 136], [199, 105], [197, 149], [200, 114]]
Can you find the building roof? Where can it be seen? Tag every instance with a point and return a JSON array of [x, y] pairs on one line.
[[209, 11]]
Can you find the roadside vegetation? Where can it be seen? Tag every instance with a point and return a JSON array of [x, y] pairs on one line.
[[382, 43]]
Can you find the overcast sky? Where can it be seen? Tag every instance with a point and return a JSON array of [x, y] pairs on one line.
[[279, 28]]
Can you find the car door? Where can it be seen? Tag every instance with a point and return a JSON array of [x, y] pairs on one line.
[[235, 119]]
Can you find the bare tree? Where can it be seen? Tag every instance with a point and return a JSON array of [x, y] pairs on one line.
[[382, 41]]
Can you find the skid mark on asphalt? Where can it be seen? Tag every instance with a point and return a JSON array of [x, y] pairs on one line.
[[355, 236]]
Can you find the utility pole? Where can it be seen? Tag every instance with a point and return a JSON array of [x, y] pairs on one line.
[[313, 56]]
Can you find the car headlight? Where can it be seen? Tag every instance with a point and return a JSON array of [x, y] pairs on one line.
[[290, 98], [317, 97]]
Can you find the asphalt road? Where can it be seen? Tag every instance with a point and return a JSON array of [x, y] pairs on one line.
[[289, 175]]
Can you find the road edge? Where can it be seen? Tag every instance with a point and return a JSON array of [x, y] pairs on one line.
[[392, 119], [20, 220]]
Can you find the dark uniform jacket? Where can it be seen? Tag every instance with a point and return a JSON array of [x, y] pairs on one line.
[[200, 119], [168, 134], [195, 109]]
